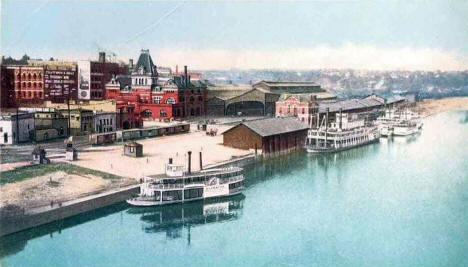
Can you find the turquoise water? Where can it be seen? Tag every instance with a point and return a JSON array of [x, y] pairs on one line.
[[398, 203]]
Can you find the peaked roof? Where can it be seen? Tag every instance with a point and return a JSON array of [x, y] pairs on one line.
[[273, 126], [146, 62]]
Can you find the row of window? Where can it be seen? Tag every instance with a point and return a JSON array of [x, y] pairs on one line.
[[29, 94], [29, 76], [288, 110], [29, 85], [96, 94], [235, 185], [170, 100], [105, 121]]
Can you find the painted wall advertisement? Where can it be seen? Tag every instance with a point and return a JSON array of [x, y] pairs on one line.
[[84, 79], [60, 83]]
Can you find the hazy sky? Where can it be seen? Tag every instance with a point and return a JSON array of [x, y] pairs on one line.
[[240, 34]]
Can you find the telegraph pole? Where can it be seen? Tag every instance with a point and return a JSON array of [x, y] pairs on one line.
[[17, 107]]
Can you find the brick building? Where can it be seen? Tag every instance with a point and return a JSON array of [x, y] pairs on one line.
[[271, 135], [151, 97], [22, 84], [301, 106], [94, 75], [60, 80]]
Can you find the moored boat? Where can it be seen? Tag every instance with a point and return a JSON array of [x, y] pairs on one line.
[[177, 186], [344, 134]]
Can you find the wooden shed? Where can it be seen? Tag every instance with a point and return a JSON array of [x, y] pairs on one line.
[[133, 149], [271, 135]]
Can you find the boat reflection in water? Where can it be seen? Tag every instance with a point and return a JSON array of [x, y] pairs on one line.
[[173, 219]]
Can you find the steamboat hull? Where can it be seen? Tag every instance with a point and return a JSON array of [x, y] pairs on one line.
[[141, 202], [319, 150]]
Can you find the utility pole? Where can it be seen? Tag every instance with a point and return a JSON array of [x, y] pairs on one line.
[[18, 103], [68, 107]]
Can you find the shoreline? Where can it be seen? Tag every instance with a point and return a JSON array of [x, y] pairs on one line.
[[47, 214]]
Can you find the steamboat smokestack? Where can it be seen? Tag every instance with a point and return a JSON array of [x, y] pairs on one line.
[[189, 161], [201, 162], [170, 160]]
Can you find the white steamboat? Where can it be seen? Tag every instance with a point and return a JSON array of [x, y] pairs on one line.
[[345, 133], [177, 186], [399, 123]]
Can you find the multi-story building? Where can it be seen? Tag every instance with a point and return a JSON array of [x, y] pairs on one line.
[[302, 106], [104, 122], [16, 128], [60, 80], [49, 124], [23, 85], [154, 97], [81, 120], [94, 75]]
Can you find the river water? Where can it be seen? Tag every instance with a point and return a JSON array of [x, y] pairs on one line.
[[400, 202]]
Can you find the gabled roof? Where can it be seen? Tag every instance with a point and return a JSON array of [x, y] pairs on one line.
[[349, 104], [273, 126]]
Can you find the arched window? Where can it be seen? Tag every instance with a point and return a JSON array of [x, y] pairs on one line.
[[147, 113], [29, 84], [24, 84], [39, 76], [24, 76], [170, 100], [29, 76], [29, 94], [34, 85], [162, 113], [34, 76]]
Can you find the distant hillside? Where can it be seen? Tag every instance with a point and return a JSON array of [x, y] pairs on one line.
[[425, 84]]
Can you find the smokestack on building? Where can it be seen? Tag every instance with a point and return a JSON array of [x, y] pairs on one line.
[[185, 76], [130, 63], [102, 57]]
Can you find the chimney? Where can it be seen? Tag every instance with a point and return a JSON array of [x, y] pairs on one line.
[[189, 162], [188, 80], [177, 69], [185, 76], [170, 160], [130, 63], [102, 57]]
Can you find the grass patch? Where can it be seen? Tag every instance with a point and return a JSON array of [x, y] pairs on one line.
[[28, 172]]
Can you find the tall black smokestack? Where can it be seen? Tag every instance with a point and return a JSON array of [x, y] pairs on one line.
[[189, 161], [186, 76], [102, 57], [170, 160], [201, 162]]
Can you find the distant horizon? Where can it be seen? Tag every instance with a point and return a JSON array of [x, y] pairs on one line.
[[302, 35]]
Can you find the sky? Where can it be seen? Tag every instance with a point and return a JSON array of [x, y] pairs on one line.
[[377, 35]]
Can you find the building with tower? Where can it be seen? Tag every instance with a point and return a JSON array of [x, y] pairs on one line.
[[152, 95]]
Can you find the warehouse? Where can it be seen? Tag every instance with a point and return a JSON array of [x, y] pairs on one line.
[[271, 135]]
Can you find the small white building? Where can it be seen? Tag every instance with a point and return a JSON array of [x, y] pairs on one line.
[[104, 122], [9, 129]]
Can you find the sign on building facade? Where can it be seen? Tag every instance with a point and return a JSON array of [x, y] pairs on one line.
[[60, 83], [84, 79]]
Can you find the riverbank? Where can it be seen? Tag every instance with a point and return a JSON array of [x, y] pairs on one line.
[[429, 107], [16, 218]]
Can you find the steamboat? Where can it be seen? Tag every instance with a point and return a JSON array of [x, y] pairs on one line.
[[399, 123], [347, 132], [178, 186]]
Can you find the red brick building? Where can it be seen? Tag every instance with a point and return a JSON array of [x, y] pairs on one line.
[[94, 75], [154, 98], [301, 106], [24, 84]]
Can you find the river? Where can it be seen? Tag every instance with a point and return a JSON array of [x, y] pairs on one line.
[[400, 202]]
